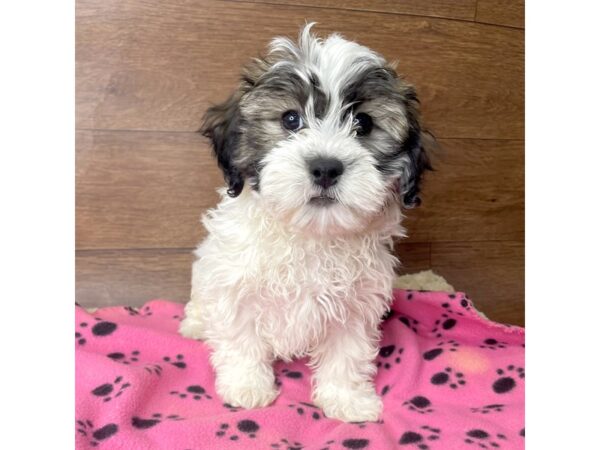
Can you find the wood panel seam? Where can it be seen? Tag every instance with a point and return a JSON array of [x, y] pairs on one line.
[[454, 19]]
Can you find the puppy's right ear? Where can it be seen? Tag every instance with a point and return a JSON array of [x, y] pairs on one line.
[[222, 126]]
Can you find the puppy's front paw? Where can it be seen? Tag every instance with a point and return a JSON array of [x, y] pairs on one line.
[[248, 390], [349, 405]]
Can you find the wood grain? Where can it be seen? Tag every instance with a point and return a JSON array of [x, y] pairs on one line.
[[491, 273], [459, 9], [476, 193], [157, 65], [142, 190], [501, 12], [148, 190], [147, 70], [132, 277]]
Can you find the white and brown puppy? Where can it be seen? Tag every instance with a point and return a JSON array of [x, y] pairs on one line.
[[321, 147]]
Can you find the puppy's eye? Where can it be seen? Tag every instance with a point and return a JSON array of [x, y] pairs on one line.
[[363, 124], [292, 121]]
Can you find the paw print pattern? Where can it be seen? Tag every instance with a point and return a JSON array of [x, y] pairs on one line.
[[100, 329], [105, 390], [448, 377], [465, 302], [451, 345], [232, 408], [143, 424], [284, 444], [123, 358], [195, 391], [493, 344], [79, 334], [246, 427], [419, 404], [292, 374], [409, 322], [156, 369], [444, 323], [388, 315], [308, 409], [387, 355], [177, 362], [483, 439], [488, 409], [355, 443], [348, 443], [96, 436], [507, 379], [418, 439]]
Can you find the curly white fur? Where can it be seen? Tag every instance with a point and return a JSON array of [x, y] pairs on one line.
[[261, 292], [280, 276]]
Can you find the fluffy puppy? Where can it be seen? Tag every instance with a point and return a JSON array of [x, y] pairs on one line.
[[321, 147]]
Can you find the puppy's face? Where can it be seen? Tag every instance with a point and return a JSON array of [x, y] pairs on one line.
[[324, 132]]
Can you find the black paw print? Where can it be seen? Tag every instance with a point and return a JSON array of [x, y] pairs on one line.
[[465, 302], [355, 443], [303, 408], [287, 445], [142, 424], [493, 344], [232, 408], [156, 369], [101, 328], [444, 323], [348, 443], [430, 355], [449, 377], [418, 439], [245, 427], [177, 317], [385, 389], [97, 436], [483, 439], [105, 390], [179, 362], [488, 409], [419, 404], [388, 315], [387, 353], [507, 382], [293, 374], [409, 322], [123, 358], [79, 336], [195, 391]]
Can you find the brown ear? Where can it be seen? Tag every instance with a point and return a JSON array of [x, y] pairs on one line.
[[222, 126], [415, 147]]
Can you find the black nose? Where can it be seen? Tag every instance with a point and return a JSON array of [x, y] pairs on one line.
[[325, 171]]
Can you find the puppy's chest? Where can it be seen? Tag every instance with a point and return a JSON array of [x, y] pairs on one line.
[[300, 292]]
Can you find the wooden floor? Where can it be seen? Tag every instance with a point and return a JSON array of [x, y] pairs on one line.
[[147, 70]]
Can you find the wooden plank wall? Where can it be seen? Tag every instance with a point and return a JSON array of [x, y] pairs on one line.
[[146, 71]]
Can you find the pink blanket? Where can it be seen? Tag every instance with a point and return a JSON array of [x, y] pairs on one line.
[[449, 379]]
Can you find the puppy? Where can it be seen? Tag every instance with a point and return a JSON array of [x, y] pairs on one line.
[[321, 148]]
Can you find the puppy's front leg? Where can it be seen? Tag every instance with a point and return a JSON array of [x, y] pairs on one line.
[[344, 372], [244, 370]]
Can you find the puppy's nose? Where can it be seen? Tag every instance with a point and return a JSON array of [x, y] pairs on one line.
[[325, 171]]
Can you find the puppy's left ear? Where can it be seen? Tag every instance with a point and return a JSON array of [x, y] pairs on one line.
[[222, 126], [415, 147]]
